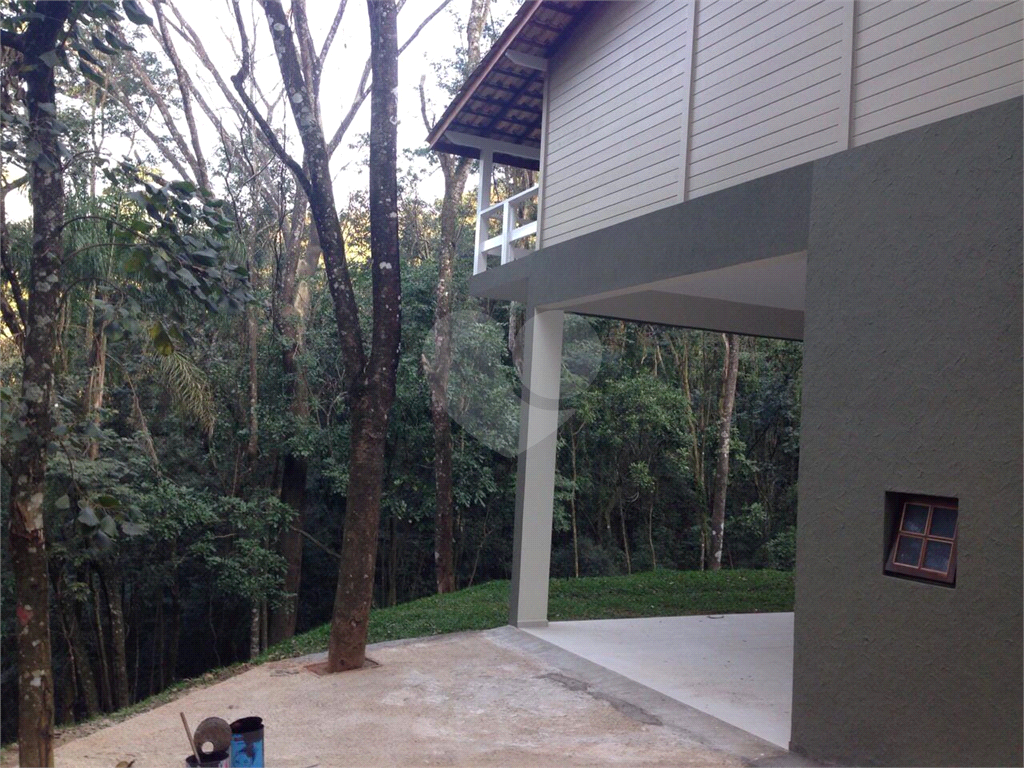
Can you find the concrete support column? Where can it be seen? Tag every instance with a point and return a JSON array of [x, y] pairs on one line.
[[535, 481]]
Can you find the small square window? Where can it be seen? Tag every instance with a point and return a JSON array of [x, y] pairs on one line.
[[924, 542]]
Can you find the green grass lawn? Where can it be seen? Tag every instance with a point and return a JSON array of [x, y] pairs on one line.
[[654, 593]]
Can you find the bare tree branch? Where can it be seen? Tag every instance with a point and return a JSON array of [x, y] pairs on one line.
[[189, 35], [9, 274], [330, 35], [443, 157], [361, 93], [427, 20], [5, 188], [144, 125], [185, 87], [268, 133], [154, 93], [11, 320], [307, 53], [364, 82]]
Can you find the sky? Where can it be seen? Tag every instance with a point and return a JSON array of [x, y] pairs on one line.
[[214, 22]]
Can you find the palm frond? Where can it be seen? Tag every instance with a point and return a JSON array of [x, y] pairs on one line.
[[189, 388]]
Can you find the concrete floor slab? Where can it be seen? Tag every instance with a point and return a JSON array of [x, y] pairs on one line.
[[738, 668], [498, 698]]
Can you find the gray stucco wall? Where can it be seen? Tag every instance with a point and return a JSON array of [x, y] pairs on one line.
[[913, 383]]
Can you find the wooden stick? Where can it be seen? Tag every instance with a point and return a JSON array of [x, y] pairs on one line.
[[191, 743]]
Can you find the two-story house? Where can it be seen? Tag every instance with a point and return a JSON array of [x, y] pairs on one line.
[[843, 172]]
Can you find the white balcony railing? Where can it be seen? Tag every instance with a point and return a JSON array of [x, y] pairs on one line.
[[513, 229]]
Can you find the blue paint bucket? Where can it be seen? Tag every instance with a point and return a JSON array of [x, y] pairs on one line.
[[247, 742], [208, 760]]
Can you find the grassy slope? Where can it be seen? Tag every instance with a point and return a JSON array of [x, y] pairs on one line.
[[655, 593]]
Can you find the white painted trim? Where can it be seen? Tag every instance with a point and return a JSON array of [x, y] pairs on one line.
[[483, 201], [502, 147], [542, 180], [511, 232], [527, 61], [690, 35], [846, 78]]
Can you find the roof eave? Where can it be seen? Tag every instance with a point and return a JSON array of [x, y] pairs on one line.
[[521, 19]]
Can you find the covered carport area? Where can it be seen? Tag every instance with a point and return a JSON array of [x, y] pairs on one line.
[[733, 261]]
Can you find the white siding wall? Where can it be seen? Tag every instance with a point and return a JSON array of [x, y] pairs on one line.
[[766, 85], [615, 119], [639, 119], [919, 62]]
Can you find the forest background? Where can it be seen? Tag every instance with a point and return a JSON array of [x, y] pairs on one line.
[[196, 485]]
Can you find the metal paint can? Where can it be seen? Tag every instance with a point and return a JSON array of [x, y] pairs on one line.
[[247, 742]]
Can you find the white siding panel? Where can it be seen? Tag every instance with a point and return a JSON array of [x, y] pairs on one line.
[[811, 148], [586, 170], [714, 15], [662, 65], [936, 83], [635, 22], [651, 198], [734, 103], [767, 90], [933, 61], [808, 24], [763, 107], [775, 83], [872, 12], [736, 29], [616, 125], [614, 67], [615, 118], [950, 45], [628, 180], [750, 133], [805, 135]]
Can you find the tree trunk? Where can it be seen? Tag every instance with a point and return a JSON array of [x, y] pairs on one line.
[[293, 303], [106, 693], [28, 475], [252, 448], [169, 673], [369, 381], [254, 630], [572, 503], [372, 400], [293, 493], [732, 362], [354, 595], [650, 533], [625, 538], [455, 174], [80, 655], [95, 386], [110, 577], [444, 534], [393, 564]]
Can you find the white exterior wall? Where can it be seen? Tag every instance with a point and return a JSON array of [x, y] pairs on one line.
[[920, 62], [614, 119], [766, 83], [650, 104]]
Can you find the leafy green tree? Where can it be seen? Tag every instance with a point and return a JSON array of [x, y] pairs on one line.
[[165, 244]]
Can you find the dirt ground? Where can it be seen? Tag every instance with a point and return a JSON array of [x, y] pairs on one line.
[[461, 700]]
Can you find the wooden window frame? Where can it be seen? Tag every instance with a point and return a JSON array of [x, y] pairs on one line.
[[919, 571]]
